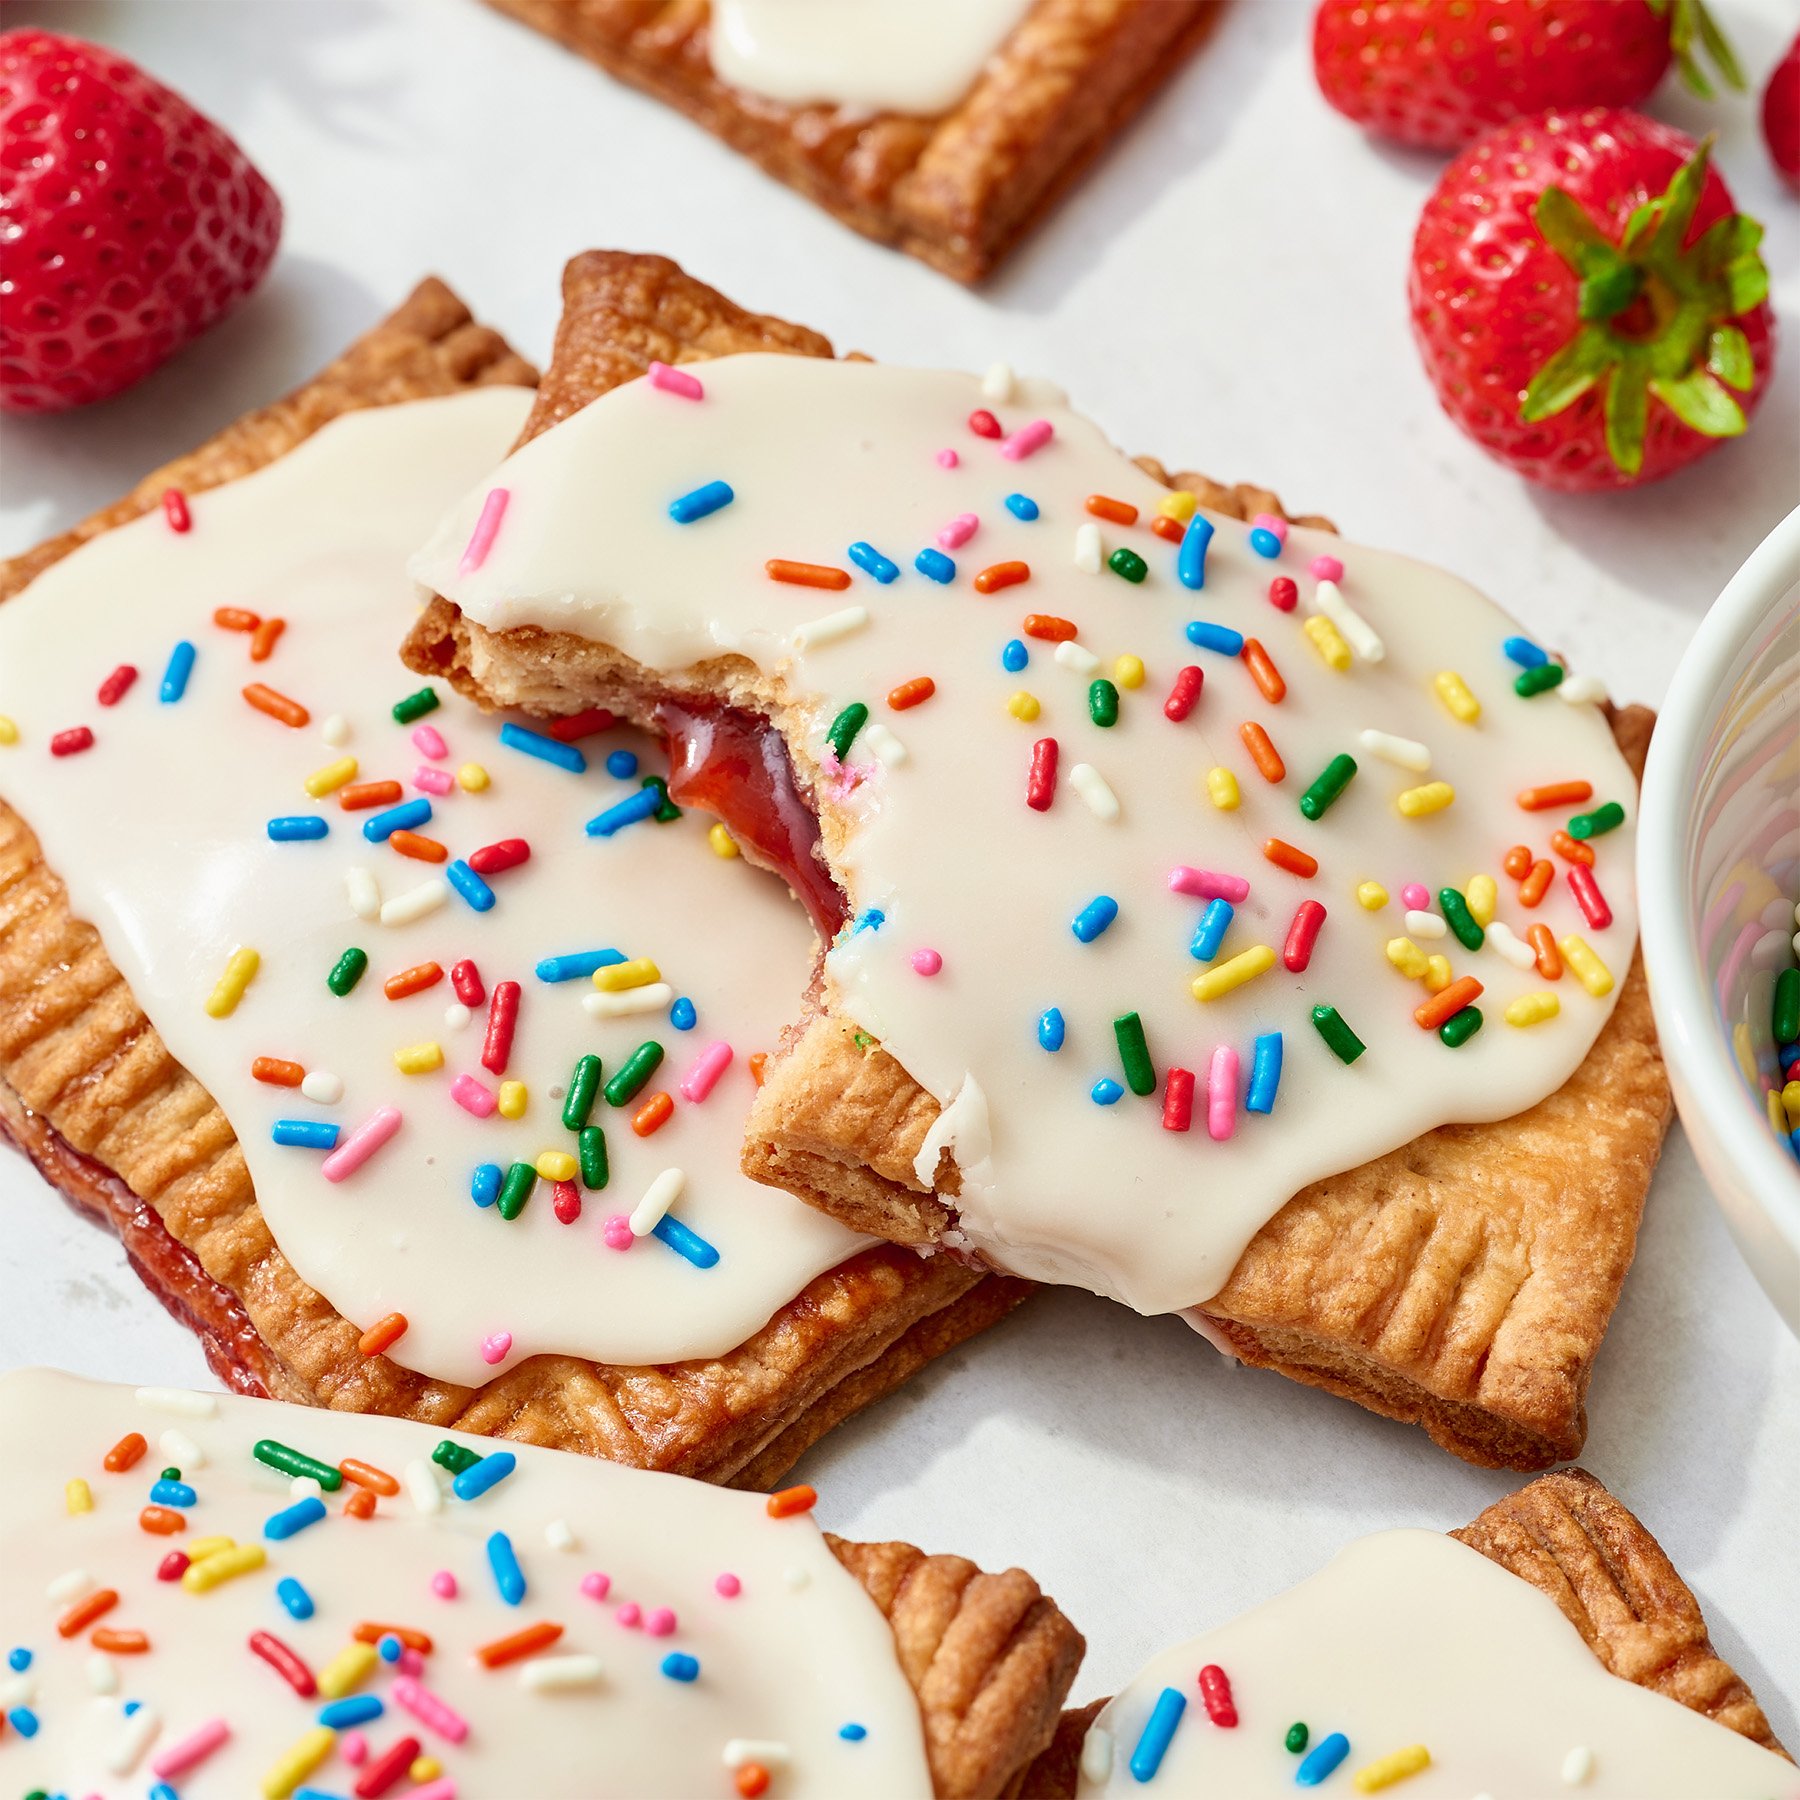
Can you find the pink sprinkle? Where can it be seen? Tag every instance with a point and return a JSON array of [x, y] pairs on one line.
[[411, 1662], [487, 528], [926, 962], [676, 381], [361, 1144], [595, 1585], [433, 781], [1415, 898], [616, 1233], [195, 1747], [473, 1097], [444, 1788], [494, 1349], [1327, 568], [175, 510], [1273, 523], [443, 1584], [957, 532], [728, 1585], [354, 1748], [1209, 884], [428, 1709], [947, 458], [429, 741], [659, 1621], [1221, 1094], [704, 1072], [1027, 439], [630, 1615]]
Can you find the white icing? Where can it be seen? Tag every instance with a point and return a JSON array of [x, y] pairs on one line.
[[1409, 1637], [159, 832], [879, 56], [776, 1662], [822, 454]]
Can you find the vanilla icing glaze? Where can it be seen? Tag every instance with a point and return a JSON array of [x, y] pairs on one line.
[[159, 832], [789, 1659], [900, 56], [1411, 1638], [940, 841]]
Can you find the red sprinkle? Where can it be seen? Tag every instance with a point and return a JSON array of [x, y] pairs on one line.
[[503, 1016], [175, 510], [1284, 596], [983, 423], [490, 859], [1040, 786], [465, 978], [386, 1769], [1178, 1100], [284, 1662], [1589, 897], [72, 742], [117, 685], [1296, 953], [590, 722], [566, 1202], [173, 1566], [1215, 1692], [1184, 693]]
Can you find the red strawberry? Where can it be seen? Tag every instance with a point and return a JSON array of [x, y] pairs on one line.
[[1438, 73], [131, 222], [1781, 115], [1586, 300]]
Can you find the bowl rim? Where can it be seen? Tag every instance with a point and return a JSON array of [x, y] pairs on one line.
[[1686, 1014]]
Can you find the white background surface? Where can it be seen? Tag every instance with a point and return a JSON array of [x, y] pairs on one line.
[[1226, 289]]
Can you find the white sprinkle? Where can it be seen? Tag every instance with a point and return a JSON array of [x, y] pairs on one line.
[[770, 1752], [102, 1674], [1403, 753], [546, 1672], [832, 627], [1582, 690], [457, 1016], [427, 897], [653, 996], [1328, 597], [1071, 655], [422, 1485], [322, 1087], [1097, 1756], [997, 384], [795, 1579], [133, 1740], [335, 731], [179, 1400], [1510, 945], [661, 1194], [1088, 549], [18, 1690], [1775, 915], [1577, 1766], [1426, 924], [559, 1535], [1770, 951], [884, 746], [364, 891], [306, 1487], [181, 1450], [1090, 784], [70, 1585]]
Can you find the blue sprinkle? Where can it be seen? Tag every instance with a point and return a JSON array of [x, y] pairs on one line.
[[484, 1184], [162, 1791], [1022, 506], [175, 676], [478, 1477], [509, 1578], [872, 562], [679, 1666], [1159, 1730], [470, 885], [389, 1648], [621, 764], [295, 1598], [685, 1242], [577, 965], [1190, 559], [173, 1493], [1015, 656], [934, 565], [24, 1721], [357, 1709], [1106, 1092], [545, 749], [18, 1659], [1207, 636], [1265, 1074], [408, 815], [1321, 1759], [682, 1014], [1525, 653], [132, 1706], [298, 828], [294, 1518], [700, 502], [1265, 543], [305, 1134], [1095, 917], [853, 1733], [1209, 934], [871, 918], [313, 1793], [641, 805], [1050, 1028]]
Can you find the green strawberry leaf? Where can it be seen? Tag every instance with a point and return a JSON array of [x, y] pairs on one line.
[[1569, 231], [1718, 47], [1688, 20], [1746, 283], [1680, 198], [1627, 408], [1567, 375], [1728, 357], [1699, 402]]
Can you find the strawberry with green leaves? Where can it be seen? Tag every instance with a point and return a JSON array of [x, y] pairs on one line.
[[1591, 308]]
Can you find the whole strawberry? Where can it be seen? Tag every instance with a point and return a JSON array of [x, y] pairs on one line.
[[131, 223], [1438, 73], [1781, 115], [1591, 309]]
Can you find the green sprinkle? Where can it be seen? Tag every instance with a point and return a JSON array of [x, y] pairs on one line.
[[1128, 563], [1539, 680], [863, 1042], [415, 706], [1343, 1043], [297, 1462], [1327, 789], [171, 1474], [455, 1457], [590, 1147], [515, 1190], [1134, 1053], [1598, 822], [1103, 703], [1787, 1006], [1297, 1734], [1460, 1027], [845, 727], [584, 1084], [668, 812], [1461, 921], [347, 971], [637, 1068]]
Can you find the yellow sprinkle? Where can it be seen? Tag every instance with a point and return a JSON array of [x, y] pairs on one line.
[[1434, 796], [1743, 1047], [1371, 896], [1128, 671], [1482, 896], [1790, 1100], [1328, 641], [223, 1565], [1590, 971], [424, 1768], [1772, 1101], [1437, 973], [1454, 692], [240, 971], [472, 778], [1407, 957], [723, 843], [332, 777], [78, 1497], [557, 1165], [1234, 972], [418, 1059], [1532, 1009], [1222, 789], [1384, 1771], [1178, 504], [200, 1548], [348, 1670], [512, 1099], [9, 732], [296, 1763], [615, 978], [1023, 706]]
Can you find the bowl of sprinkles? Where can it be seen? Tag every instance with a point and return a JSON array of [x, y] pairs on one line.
[[1719, 876]]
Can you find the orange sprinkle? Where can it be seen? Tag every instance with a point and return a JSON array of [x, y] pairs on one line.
[[162, 1521], [653, 1115], [366, 1474], [1049, 627], [521, 1644], [1447, 1004], [276, 1072], [1517, 862], [420, 849], [812, 575], [1103, 506], [124, 1453], [413, 981], [263, 639], [787, 1502], [1549, 959], [1537, 882], [236, 618], [84, 1612], [1557, 793], [360, 1505], [1263, 672], [1262, 752], [1171, 531], [751, 1779], [361, 794], [1001, 575], [1286, 856], [278, 706], [369, 1632], [383, 1333], [1571, 849], [120, 1643], [759, 1061], [911, 693]]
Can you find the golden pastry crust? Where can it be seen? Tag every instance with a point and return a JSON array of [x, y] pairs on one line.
[[1461, 1283], [91, 1093], [956, 191]]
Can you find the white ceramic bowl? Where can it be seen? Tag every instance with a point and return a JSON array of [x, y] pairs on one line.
[[1718, 861]]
